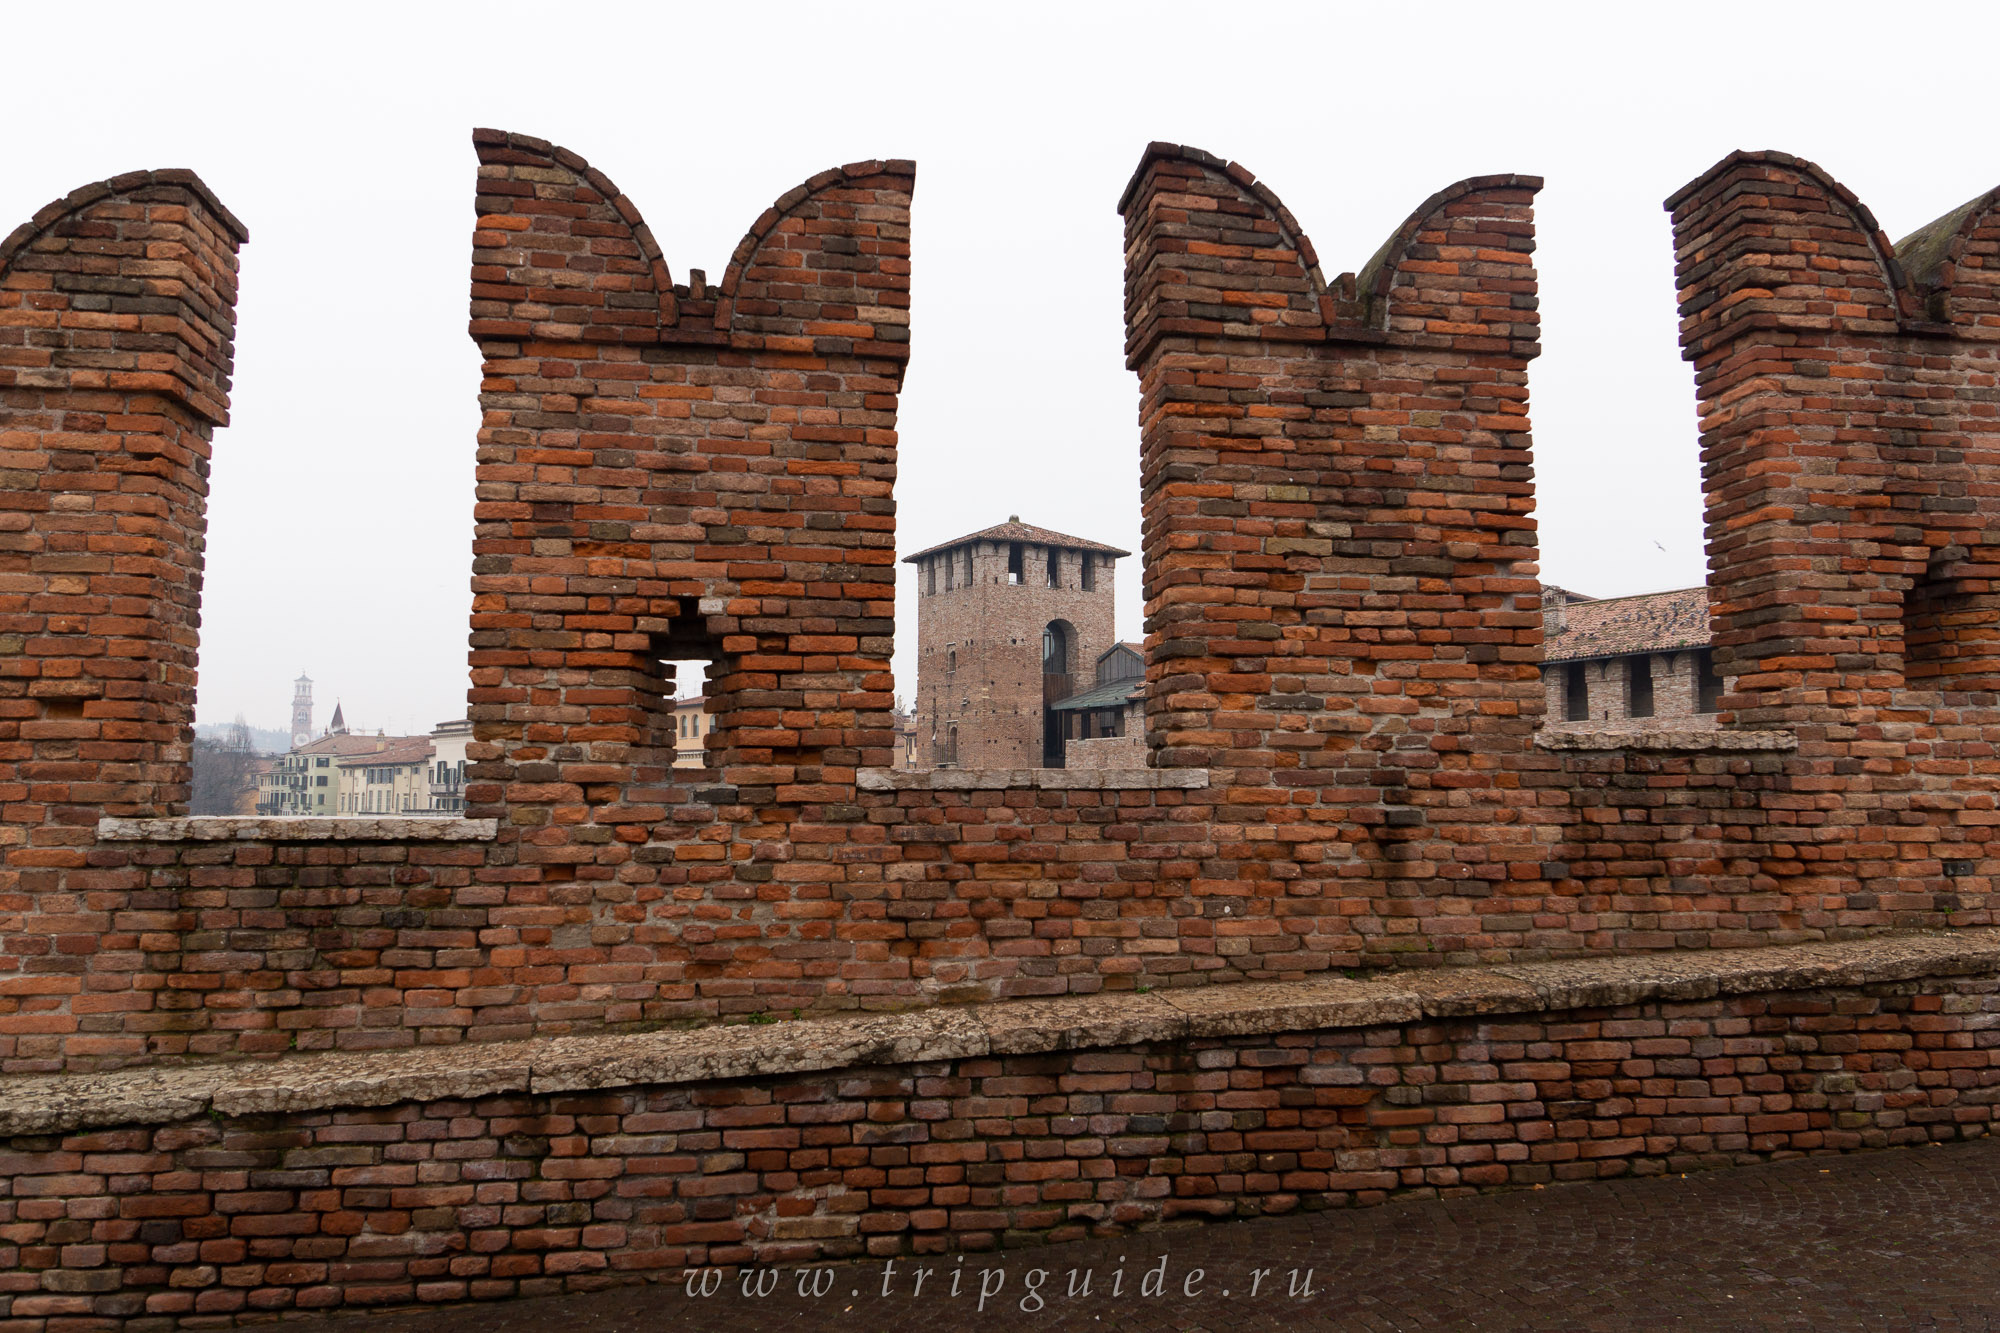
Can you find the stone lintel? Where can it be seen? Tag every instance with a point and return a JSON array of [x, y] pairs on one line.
[[1038, 779], [57, 1103], [1701, 740], [298, 828]]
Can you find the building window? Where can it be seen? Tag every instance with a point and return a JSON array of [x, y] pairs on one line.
[[949, 568], [1055, 568], [1055, 649], [951, 659], [1707, 685], [1087, 573], [930, 577], [968, 566], [1014, 564], [1639, 686], [1576, 694]]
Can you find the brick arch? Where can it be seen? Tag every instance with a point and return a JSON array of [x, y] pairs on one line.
[[1954, 266], [772, 280], [594, 232], [1388, 267], [1832, 245]]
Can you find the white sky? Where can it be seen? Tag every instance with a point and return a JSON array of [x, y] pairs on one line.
[[340, 523]]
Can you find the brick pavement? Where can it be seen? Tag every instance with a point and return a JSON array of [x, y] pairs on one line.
[[1886, 1241]]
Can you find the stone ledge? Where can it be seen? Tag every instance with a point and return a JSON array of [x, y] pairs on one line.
[[1708, 740], [297, 828], [1040, 779], [58, 1103]]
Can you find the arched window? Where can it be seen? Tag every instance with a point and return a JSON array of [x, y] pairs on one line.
[[1055, 649]]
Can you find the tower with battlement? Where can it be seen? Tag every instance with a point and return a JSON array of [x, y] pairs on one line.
[[1010, 622]]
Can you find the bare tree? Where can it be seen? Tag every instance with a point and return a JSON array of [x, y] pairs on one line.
[[224, 768]]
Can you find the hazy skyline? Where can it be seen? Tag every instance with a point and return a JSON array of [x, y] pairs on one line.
[[340, 518]]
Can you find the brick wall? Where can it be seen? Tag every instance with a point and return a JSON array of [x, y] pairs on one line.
[[1342, 650], [1607, 684], [1018, 1137], [1342, 655], [1106, 752], [117, 315]]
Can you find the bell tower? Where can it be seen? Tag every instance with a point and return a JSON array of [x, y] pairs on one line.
[[302, 711]]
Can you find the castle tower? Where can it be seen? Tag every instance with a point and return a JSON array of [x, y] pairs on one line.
[[1010, 621], [302, 711]]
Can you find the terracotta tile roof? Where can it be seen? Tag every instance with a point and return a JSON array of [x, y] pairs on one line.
[[346, 744], [1014, 530], [1654, 622], [402, 750]]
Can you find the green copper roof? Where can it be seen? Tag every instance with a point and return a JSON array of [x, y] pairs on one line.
[[1113, 695]]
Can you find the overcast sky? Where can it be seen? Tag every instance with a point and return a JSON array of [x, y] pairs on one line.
[[340, 522]]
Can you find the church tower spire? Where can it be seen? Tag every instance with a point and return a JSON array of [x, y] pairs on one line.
[[339, 727]]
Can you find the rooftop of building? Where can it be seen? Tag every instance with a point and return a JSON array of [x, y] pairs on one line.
[[345, 743], [1649, 622], [403, 750], [1115, 695], [1014, 530]]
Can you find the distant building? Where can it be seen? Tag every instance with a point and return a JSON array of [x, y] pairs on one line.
[[1011, 621], [692, 723], [306, 781], [1105, 725], [447, 767], [1626, 661], [393, 780], [345, 774]]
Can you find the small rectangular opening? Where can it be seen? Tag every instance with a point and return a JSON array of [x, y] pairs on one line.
[[930, 577], [1576, 694], [1014, 564], [1639, 686], [1087, 573], [1055, 568]]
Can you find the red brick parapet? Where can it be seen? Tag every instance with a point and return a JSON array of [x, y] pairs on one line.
[[303, 1083], [117, 327], [229, 1193], [1344, 643]]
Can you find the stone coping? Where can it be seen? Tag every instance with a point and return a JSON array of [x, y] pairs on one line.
[[297, 828], [1041, 779], [1708, 740], [57, 1103]]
